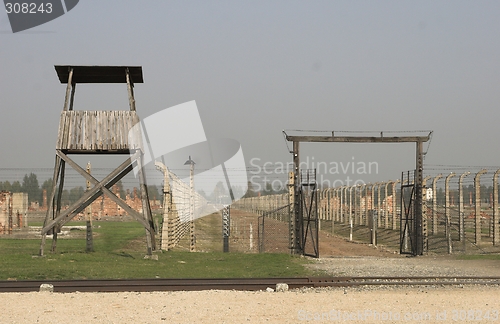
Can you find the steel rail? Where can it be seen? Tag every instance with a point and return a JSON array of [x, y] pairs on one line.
[[245, 284]]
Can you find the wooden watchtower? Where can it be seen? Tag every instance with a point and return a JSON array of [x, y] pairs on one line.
[[96, 132]]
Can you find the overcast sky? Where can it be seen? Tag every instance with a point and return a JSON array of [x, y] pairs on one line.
[[258, 67]]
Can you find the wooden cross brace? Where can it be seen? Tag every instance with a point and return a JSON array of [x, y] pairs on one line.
[[100, 187]]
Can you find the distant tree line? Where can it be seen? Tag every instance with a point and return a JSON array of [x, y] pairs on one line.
[[30, 185]]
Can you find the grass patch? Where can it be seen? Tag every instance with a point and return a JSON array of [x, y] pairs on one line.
[[119, 253]]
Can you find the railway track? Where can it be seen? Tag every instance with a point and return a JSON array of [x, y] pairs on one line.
[[247, 284]]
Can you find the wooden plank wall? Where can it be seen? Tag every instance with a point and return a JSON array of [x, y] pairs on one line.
[[81, 130]]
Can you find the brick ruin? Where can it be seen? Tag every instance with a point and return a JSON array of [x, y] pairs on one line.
[[104, 206], [13, 211]]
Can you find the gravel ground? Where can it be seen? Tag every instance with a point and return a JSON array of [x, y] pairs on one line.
[[406, 266], [470, 304]]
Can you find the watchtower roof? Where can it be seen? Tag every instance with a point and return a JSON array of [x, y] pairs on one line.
[[99, 73]]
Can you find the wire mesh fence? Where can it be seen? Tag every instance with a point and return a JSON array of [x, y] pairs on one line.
[[274, 231]]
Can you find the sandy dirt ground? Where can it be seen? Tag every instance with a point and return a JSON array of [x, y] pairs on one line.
[[417, 305]]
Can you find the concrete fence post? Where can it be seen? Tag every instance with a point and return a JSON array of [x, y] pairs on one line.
[[447, 211], [335, 204], [372, 207], [355, 205], [461, 212], [350, 213], [319, 207], [362, 204], [326, 202], [425, 233], [394, 205], [434, 204], [368, 202], [328, 211], [341, 205], [496, 226], [379, 205], [359, 205], [344, 211], [341, 202], [386, 206], [477, 214]]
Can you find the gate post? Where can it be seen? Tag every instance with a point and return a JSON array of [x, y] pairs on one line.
[[419, 177], [291, 211], [297, 217]]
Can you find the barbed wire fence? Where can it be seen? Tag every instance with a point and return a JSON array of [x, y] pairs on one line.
[[461, 213], [461, 210]]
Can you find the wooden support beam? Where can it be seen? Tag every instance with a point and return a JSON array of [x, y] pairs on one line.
[[68, 88], [72, 98], [130, 89]]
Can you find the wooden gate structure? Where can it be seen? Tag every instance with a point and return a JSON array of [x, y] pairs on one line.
[[419, 169], [97, 132]]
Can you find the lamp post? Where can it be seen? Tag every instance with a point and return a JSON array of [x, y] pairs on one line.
[[191, 204]]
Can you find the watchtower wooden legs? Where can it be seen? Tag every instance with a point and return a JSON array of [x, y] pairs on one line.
[[100, 187], [146, 207], [59, 169]]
